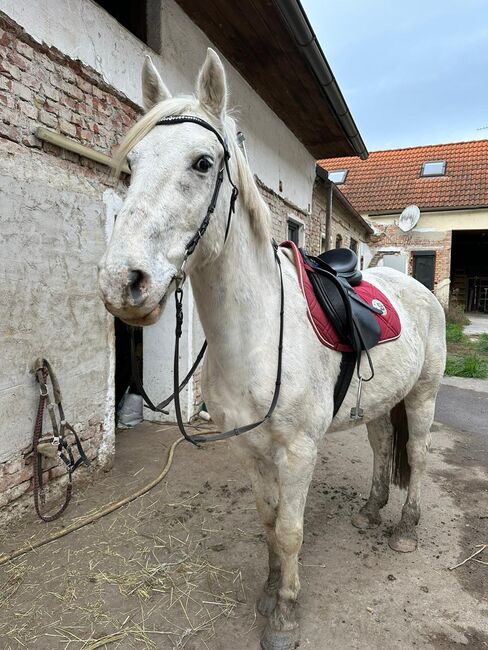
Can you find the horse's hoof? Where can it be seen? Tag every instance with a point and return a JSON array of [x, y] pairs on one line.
[[403, 542], [267, 603], [365, 520], [280, 640]]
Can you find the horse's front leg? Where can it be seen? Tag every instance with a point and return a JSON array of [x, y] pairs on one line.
[[295, 466], [264, 480]]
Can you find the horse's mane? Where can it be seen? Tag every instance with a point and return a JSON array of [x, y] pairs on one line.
[[248, 190]]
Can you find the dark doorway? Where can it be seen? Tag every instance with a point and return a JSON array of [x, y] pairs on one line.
[[123, 363], [469, 269], [424, 268]]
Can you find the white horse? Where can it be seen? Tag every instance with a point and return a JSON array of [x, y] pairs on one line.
[[236, 286]]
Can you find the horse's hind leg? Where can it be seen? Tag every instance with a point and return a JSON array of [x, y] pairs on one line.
[[420, 407], [380, 437]]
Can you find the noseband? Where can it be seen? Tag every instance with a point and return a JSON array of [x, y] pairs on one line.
[[180, 278]]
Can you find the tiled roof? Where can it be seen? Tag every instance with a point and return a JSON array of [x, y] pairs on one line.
[[390, 180]]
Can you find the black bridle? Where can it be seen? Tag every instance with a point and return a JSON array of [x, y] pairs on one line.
[[180, 278]]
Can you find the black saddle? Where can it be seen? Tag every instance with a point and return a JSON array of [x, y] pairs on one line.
[[333, 274], [344, 262]]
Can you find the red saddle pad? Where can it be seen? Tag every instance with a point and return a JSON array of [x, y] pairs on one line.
[[389, 320]]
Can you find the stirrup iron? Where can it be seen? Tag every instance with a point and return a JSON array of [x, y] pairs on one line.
[[357, 412]]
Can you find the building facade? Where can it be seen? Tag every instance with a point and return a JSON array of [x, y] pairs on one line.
[[447, 249], [70, 73]]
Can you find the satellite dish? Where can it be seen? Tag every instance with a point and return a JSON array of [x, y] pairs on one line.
[[409, 218]]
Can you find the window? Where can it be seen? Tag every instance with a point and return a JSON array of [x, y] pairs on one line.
[[354, 245], [338, 243], [338, 176], [433, 168], [294, 233], [142, 18]]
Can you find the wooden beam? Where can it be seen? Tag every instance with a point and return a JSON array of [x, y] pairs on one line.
[[47, 135]]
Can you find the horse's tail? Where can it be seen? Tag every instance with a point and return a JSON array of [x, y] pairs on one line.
[[400, 468]]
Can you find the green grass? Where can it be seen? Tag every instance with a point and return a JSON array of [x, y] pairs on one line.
[[482, 344], [470, 366], [466, 357], [454, 333]]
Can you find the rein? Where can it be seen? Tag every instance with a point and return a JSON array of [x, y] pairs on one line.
[[180, 278]]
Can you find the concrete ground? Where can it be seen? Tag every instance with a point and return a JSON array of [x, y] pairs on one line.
[[182, 566], [478, 325]]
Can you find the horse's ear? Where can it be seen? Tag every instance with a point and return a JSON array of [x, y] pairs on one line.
[[153, 88], [211, 85]]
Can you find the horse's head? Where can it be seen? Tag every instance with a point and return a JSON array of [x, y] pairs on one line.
[[174, 174]]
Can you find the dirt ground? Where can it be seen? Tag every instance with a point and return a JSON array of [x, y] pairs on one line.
[[182, 566]]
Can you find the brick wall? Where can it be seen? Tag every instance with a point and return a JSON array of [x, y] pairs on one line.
[[343, 222], [41, 87], [389, 238]]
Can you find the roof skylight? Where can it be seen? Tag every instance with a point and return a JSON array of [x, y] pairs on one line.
[[433, 168], [338, 176]]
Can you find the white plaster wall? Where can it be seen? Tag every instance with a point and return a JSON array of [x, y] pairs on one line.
[[52, 234], [441, 221], [83, 30]]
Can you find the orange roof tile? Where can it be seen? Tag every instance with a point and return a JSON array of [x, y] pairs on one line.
[[390, 180]]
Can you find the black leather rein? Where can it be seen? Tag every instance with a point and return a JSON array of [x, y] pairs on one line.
[[180, 278]]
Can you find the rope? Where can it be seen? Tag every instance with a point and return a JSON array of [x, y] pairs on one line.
[[97, 515]]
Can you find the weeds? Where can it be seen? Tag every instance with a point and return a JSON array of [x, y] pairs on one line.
[[455, 315], [469, 366]]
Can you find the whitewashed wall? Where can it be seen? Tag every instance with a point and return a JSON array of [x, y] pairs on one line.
[[51, 238]]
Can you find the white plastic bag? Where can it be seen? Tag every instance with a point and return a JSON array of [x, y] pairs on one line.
[[130, 411]]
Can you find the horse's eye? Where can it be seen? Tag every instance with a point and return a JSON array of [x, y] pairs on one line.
[[203, 164]]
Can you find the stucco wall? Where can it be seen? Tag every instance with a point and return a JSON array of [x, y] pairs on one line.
[[85, 31], [53, 234], [442, 220]]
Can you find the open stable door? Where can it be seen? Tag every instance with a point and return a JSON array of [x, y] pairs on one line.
[[424, 268]]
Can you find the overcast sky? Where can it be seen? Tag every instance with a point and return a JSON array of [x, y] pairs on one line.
[[413, 72]]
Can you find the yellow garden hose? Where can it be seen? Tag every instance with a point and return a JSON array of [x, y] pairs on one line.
[[97, 515]]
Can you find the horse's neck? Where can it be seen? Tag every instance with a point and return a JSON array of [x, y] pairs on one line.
[[235, 292]]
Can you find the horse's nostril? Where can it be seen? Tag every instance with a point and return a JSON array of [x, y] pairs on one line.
[[137, 281]]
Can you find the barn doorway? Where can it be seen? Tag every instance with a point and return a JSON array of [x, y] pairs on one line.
[[469, 269], [123, 361]]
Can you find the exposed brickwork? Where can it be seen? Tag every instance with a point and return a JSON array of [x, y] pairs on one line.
[[344, 222], [16, 474], [281, 211], [390, 238], [41, 87]]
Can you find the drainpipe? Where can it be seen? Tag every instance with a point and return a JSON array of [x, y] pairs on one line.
[[328, 215]]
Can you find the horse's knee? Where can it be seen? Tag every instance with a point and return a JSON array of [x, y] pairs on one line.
[[288, 538]]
